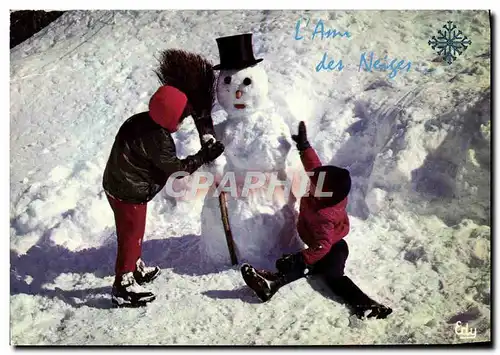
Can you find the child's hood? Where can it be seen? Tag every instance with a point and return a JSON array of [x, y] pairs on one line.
[[167, 106], [336, 181]]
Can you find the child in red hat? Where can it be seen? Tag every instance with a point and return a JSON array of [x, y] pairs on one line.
[[142, 159]]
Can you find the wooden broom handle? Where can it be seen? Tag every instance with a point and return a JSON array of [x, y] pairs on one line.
[[227, 227]]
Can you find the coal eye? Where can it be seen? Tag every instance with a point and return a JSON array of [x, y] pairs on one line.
[[247, 81], [227, 80]]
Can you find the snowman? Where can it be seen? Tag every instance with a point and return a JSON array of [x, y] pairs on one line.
[[257, 141]]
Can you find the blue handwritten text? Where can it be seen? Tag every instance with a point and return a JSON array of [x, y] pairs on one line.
[[320, 31], [330, 66], [383, 65]]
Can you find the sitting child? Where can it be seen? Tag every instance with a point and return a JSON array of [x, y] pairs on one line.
[[322, 225]]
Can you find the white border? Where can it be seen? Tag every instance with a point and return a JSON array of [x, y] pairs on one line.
[[195, 4], [254, 4]]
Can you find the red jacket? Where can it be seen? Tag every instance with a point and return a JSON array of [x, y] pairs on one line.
[[319, 228]]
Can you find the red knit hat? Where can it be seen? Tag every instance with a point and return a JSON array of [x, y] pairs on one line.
[[166, 107]]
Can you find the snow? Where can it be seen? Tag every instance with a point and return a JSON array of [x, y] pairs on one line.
[[417, 145]]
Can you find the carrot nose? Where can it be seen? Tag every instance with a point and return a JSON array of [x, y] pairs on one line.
[[238, 94]]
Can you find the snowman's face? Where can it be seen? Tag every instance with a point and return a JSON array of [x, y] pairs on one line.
[[241, 92]]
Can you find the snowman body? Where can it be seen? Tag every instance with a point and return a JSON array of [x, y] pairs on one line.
[[256, 140]]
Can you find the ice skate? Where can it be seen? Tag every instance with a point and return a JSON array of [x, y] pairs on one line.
[[268, 275], [128, 293], [145, 274], [262, 287], [374, 310], [362, 305]]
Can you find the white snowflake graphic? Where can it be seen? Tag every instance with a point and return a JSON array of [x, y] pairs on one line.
[[449, 42]]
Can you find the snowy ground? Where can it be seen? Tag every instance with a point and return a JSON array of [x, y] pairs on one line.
[[418, 146]]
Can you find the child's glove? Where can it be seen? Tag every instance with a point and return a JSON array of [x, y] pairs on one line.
[[211, 151], [301, 137], [283, 264], [292, 263]]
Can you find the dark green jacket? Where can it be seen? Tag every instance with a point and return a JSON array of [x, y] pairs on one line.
[[142, 159]]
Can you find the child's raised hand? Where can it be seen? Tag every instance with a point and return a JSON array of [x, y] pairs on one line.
[[301, 137]]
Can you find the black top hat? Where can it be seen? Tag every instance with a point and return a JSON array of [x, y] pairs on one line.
[[236, 52]]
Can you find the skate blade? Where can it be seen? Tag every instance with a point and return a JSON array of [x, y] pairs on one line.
[[154, 277], [121, 303]]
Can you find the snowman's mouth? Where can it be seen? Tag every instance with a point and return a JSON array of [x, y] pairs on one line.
[[239, 106]]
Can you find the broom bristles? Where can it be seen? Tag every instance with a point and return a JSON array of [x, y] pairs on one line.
[[190, 73]]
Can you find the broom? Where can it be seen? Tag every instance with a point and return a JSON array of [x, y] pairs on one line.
[[227, 227], [192, 74]]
